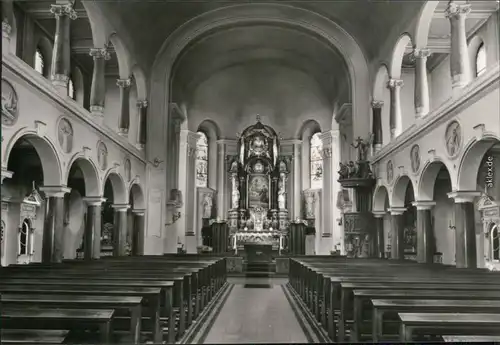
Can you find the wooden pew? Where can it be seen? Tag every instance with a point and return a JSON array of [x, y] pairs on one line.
[[447, 323], [131, 305], [382, 306], [32, 336], [19, 318], [471, 339]]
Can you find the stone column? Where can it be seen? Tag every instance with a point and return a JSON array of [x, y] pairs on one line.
[[297, 181], [421, 96], [53, 235], [331, 188], [187, 185], [92, 234], [7, 18], [221, 179], [124, 124], [377, 125], [465, 234], [120, 230], [142, 107], [425, 235], [379, 226], [137, 238], [397, 232], [61, 54], [459, 57], [98, 89], [394, 86]]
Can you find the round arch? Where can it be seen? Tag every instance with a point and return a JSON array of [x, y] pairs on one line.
[[122, 55], [379, 82], [140, 82], [46, 49], [79, 85], [472, 48], [210, 128], [136, 197], [423, 26], [397, 55], [471, 160], [430, 171], [120, 195], [90, 174], [380, 198], [51, 163], [399, 191], [98, 25], [277, 14]]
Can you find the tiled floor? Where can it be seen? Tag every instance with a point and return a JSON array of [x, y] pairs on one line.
[[256, 315]]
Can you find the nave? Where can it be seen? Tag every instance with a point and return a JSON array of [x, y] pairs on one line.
[[186, 298]]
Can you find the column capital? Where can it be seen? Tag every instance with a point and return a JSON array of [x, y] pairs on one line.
[[94, 200], [394, 83], [100, 53], [6, 28], [424, 205], [124, 83], [142, 103], [139, 212], [421, 53], [329, 137], [326, 152], [120, 207], [455, 10], [397, 211], [6, 174], [461, 197], [55, 191], [379, 214], [64, 10], [377, 104]]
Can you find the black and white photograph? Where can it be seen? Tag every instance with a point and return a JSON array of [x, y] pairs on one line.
[[250, 172]]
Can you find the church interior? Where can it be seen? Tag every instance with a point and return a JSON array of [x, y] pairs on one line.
[[250, 171]]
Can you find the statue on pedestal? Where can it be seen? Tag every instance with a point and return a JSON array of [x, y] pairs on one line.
[[362, 147], [207, 206], [235, 199]]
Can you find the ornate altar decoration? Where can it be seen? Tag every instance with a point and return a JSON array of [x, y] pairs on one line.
[[358, 226], [490, 216], [258, 213]]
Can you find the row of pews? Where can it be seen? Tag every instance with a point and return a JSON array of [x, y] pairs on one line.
[[382, 300], [114, 300]]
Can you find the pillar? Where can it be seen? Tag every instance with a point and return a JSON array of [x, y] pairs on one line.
[[137, 237], [421, 97], [379, 236], [331, 188], [120, 229], [98, 89], [394, 86], [142, 107], [425, 236], [53, 227], [5, 174], [465, 234], [61, 54], [297, 181], [221, 179], [377, 125], [7, 18], [124, 124], [459, 57], [397, 232], [92, 232], [187, 185]]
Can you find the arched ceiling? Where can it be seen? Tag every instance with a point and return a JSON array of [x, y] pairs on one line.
[[285, 47]]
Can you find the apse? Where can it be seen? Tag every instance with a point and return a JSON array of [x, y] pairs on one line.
[[281, 74]]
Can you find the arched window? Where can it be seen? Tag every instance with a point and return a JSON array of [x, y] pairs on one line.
[[316, 162], [202, 160], [495, 243], [25, 244], [480, 60], [71, 88], [39, 62]]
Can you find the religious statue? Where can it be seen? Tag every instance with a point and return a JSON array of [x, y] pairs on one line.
[[283, 168], [310, 200], [362, 147], [234, 166], [453, 138], [352, 170], [65, 135], [207, 206], [343, 171], [415, 158], [9, 103], [235, 199], [128, 170], [102, 155], [281, 200]]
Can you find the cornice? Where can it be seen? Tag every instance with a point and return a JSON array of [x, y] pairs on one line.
[[43, 85], [480, 86]]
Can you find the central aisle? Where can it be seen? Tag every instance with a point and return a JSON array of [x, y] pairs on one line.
[[256, 315]]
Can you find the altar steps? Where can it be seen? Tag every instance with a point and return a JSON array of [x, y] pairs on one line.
[[259, 269]]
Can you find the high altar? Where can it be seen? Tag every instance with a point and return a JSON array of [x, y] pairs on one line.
[[258, 216]]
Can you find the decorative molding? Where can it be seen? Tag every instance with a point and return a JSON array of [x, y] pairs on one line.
[[393, 83], [64, 10], [454, 10], [27, 74], [377, 104], [100, 53], [480, 86], [124, 83]]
